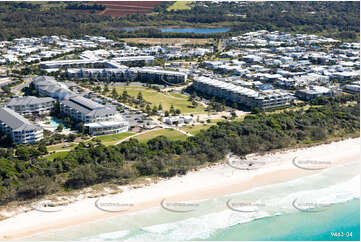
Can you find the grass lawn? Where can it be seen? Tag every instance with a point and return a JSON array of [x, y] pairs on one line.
[[60, 147], [60, 154], [196, 128], [113, 138], [179, 101], [180, 5], [214, 121], [169, 133]]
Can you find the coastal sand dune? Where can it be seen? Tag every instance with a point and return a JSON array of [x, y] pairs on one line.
[[206, 183]]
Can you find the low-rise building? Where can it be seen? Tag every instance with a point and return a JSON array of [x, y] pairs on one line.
[[18, 128]]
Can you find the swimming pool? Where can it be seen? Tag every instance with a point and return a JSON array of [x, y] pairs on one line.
[[55, 123]]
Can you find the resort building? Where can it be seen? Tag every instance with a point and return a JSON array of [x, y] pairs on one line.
[[242, 95], [135, 60], [97, 117], [162, 76], [29, 105], [18, 128], [47, 86], [313, 92], [96, 63], [123, 73], [119, 74]]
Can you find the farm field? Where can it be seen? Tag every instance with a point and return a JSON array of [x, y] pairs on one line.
[[169, 133], [121, 8], [179, 101], [180, 5], [167, 41]]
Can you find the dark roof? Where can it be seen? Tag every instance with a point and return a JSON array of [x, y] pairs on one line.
[[87, 107], [15, 120], [29, 100]]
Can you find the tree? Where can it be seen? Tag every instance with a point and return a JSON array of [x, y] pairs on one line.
[[194, 103], [60, 127], [125, 95], [154, 110], [71, 137], [106, 89], [115, 94], [140, 97], [42, 148], [178, 111], [148, 109], [171, 110], [166, 113], [160, 107]]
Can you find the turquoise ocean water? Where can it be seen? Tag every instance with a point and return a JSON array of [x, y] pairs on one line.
[[269, 214], [300, 226]]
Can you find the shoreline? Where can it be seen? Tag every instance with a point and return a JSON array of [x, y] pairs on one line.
[[210, 182]]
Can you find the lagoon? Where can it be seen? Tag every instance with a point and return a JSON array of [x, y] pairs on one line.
[[186, 30]]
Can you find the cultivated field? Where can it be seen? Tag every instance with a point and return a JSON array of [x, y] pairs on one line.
[[180, 5], [167, 41], [121, 8]]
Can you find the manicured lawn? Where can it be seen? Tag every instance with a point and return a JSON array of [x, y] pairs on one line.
[[180, 5], [179, 101], [60, 154], [217, 120], [60, 147], [113, 138], [196, 128], [169, 133]]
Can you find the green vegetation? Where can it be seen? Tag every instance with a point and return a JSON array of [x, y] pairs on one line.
[[57, 155], [171, 134], [61, 147], [113, 138], [156, 98], [196, 129], [339, 20], [170, 153], [180, 5]]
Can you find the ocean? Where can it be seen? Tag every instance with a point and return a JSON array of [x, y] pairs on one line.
[[324, 206]]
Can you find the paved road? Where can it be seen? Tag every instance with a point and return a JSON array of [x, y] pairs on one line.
[[17, 89]]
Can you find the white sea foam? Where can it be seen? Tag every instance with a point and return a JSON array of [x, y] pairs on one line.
[[277, 199], [107, 236]]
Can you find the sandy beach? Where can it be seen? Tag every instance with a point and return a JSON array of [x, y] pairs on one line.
[[202, 184]]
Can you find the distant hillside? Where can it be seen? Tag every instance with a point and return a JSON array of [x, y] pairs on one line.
[[339, 20]]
